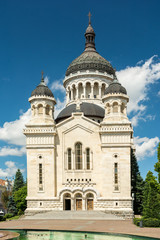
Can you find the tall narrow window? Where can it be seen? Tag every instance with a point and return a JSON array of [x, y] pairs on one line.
[[116, 176], [115, 107], [40, 109], [78, 155], [47, 110], [69, 159], [88, 158], [40, 178]]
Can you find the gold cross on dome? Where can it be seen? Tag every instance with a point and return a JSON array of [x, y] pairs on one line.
[[89, 15]]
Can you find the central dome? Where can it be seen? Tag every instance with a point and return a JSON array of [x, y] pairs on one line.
[[90, 59]]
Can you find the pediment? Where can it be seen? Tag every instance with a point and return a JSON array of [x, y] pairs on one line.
[[78, 126]]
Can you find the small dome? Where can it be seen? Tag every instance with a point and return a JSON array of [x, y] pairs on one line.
[[89, 109], [89, 29], [42, 90], [115, 87]]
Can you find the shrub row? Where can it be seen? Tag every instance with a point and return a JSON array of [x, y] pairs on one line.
[[7, 215], [147, 222]]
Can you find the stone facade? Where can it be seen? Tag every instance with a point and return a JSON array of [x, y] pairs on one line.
[[81, 162]]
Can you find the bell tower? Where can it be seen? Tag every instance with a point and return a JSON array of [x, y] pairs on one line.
[[40, 134], [116, 142]]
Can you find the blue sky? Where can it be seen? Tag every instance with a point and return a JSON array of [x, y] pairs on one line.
[[47, 35]]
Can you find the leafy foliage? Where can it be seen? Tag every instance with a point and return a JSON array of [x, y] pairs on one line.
[[20, 199], [12, 206], [157, 165], [18, 182], [151, 197], [5, 198], [137, 184]]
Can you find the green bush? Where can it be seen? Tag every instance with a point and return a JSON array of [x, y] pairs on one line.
[[8, 215], [2, 218], [137, 221], [151, 222], [20, 212]]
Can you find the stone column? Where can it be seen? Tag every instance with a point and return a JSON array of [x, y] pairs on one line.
[[72, 204], [76, 92], [100, 92], [119, 108], [84, 162], [73, 160], [44, 110], [92, 90], [67, 94], [84, 90], [71, 94], [83, 204]]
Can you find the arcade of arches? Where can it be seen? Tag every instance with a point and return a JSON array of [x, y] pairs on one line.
[[78, 202], [87, 90]]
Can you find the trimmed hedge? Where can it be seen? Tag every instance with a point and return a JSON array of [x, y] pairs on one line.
[[151, 222], [147, 222]]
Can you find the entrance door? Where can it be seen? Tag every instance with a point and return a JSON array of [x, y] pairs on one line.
[[89, 204], [67, 204], [78, 204]]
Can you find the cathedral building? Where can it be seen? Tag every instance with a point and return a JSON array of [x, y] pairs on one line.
[[82, 159]]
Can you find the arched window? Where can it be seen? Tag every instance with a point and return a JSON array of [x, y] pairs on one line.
[[33, 111], [88, 158], [69, 158], [108, 109], [78, 155], [47, 110], [122, 108], [40, 109], [115, 107]]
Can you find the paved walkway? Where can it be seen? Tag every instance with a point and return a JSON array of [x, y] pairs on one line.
[[110, 226]]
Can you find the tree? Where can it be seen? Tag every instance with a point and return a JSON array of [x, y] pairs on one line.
[[157, 165], [18, 182], [151, 197], [20, 199], [137, 184], [12, 206], [5, 198]]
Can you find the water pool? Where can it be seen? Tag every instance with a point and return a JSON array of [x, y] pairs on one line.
[[55, 235]]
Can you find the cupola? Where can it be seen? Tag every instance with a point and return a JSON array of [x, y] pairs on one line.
[[42, 104]]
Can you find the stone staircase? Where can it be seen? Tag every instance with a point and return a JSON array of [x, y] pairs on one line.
[[85, 215]]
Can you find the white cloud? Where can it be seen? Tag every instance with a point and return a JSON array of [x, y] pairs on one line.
[[46, 80], [8, 151], [159, 93], [145, 146], [57, 85], [137, 81], [59, 106], [12, 132], [10, 169]]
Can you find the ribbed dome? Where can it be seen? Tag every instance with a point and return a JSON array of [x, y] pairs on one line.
[[42, 90], [90, 60], [115, 87], [89, 110]]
